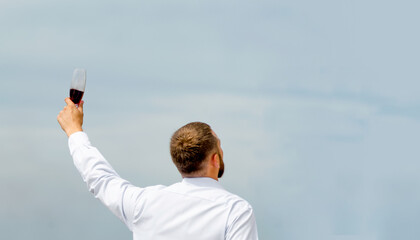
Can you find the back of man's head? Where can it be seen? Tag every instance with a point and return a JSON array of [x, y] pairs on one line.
[[190, 145]]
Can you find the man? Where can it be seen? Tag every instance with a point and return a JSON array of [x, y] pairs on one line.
[[196, 208]]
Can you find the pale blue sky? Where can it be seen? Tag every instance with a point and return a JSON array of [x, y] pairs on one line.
[[316, 103]]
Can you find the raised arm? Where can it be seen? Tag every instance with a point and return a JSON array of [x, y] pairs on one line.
[[102, 180]]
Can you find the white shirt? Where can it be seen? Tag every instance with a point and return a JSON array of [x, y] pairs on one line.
[[196, 208]]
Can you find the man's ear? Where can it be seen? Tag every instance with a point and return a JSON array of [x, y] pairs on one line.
[[215, 161]]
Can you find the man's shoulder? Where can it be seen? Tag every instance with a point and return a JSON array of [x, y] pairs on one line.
[[231, 200], [155, 187], [238, 202]]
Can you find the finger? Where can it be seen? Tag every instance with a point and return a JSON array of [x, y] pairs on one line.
[[69, 102], [81, 106]]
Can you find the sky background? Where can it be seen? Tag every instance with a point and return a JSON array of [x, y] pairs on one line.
[[316, 104]]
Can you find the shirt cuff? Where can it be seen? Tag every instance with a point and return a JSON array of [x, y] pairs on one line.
[[76, 140]]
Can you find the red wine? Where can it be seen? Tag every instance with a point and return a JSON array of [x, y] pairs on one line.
[[76, 95]]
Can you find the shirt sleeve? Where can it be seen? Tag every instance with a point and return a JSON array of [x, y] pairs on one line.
[[114, 192], [243, 225]]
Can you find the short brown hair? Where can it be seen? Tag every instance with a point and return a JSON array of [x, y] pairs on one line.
[[190, 145]]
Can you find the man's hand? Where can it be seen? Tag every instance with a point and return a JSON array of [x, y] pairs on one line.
[[71, 117]]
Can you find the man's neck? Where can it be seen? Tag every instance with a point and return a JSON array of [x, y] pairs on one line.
[[196, 175]]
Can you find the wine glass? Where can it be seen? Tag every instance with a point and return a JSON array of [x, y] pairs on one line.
[[77, 86]]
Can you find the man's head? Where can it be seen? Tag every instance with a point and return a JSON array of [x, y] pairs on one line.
[[193, 146]]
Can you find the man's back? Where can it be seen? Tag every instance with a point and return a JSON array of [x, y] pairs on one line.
[[196, 208]]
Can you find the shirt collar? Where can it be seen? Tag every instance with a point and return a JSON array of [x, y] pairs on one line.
[[203, 182]]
